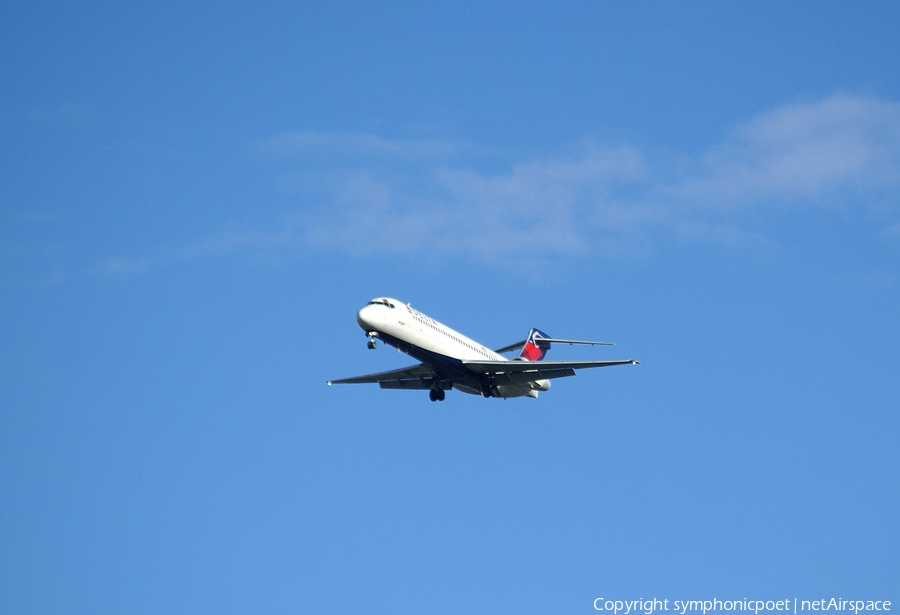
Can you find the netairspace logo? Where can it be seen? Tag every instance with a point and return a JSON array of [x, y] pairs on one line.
[[648, 607]]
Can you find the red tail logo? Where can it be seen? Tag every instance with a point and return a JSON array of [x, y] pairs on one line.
[[534, 349]]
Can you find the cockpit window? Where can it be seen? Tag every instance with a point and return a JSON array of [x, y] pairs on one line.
[[381, 302]]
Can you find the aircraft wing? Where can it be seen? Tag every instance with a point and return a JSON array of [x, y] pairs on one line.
[[528, 371], [413, 377], [422, 376]]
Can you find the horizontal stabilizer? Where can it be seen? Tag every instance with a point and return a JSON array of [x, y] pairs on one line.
[[551, 340], [515, 346]]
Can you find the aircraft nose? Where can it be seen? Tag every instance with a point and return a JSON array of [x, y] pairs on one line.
[[365, 317]]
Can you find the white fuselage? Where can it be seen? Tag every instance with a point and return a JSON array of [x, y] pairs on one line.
[[413, 327], [421, 336]]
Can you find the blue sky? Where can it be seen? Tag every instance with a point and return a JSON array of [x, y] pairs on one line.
[[195, 200]]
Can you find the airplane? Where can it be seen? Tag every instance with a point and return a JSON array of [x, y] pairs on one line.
[[450, 360]]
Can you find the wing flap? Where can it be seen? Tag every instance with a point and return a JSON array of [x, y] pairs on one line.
[[539, 374], [408, 384], [415, 373]]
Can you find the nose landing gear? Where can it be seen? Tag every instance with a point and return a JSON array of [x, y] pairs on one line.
[[371, 343], [436, 394]]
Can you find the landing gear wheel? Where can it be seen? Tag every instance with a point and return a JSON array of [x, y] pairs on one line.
[[440, 395], [371, 343], [432, 394]]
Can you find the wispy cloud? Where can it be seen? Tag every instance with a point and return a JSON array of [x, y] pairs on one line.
[[802, 154], [377, 195], [606, 200], [218, 244], [534, 209]]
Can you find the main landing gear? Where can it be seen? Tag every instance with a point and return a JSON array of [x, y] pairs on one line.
[[436, 394]]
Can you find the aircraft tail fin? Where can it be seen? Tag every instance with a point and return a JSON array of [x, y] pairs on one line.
[[535, 347]]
